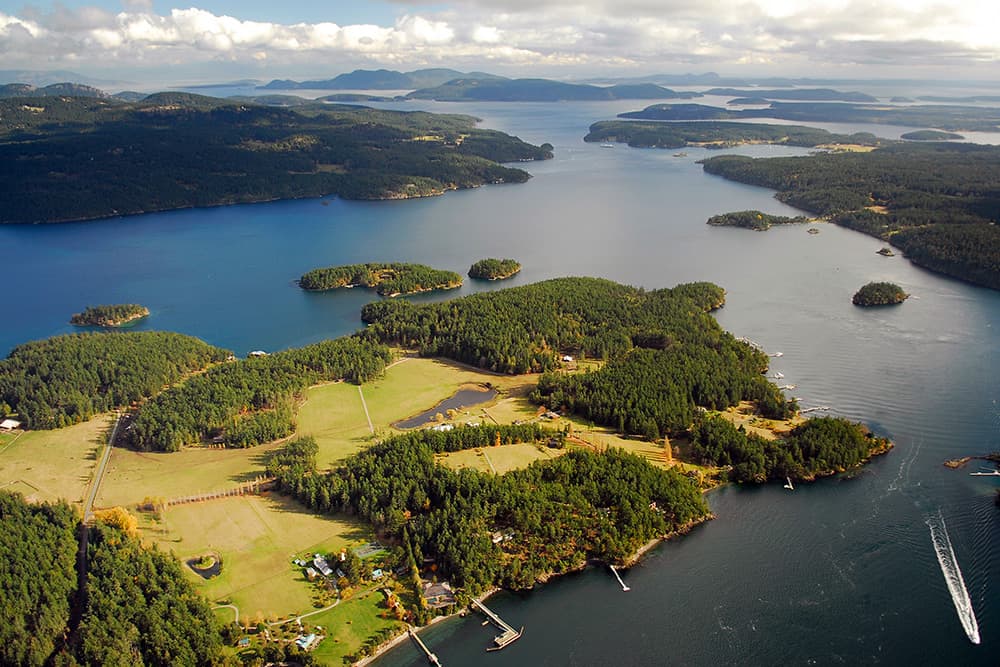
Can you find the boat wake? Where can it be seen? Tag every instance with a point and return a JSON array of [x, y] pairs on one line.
[[953, 576]]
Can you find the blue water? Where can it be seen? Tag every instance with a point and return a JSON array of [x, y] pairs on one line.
[[837, 572]]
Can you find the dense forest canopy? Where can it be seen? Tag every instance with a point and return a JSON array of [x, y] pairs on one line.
[[879, 294], [525, 329], [819, 446], [557, 512], [938, 202], [109, 315], [38, 576], [718, 134], [388, 279], [249, 402], [755, 220], [68, 379], [74, 158], [494, 269]]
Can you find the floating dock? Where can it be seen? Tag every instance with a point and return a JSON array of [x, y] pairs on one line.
[[619, 578], [508, 634], [431, 658]]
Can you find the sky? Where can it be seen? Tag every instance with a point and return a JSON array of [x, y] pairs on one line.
[[202, 41]]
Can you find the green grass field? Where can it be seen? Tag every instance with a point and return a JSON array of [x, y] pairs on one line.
[[257, 537], [348, 625], [132, 476], [503, 459], [49, 465]]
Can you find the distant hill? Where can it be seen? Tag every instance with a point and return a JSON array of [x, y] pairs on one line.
[[55, 89], [129, 96], [541, 90], [802, 94], [381, 79]]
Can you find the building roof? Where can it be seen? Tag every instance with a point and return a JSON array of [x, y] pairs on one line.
[[10, 424]]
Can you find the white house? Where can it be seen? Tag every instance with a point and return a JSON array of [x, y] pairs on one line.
[[10, 424]]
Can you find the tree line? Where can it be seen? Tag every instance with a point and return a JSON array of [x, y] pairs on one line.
[[68, 379], [248, 402]]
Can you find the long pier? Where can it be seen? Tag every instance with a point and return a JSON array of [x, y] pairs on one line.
[[431, 658], [508, 634], [614, 570]]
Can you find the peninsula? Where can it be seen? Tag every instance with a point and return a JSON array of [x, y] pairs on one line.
[[494, 269], [80, 158], [392, 279], [879, 294], [116, 315], [709, 134]]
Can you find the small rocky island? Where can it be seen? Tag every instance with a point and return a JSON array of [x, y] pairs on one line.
[[387, 279], [755, 220], [116, 315], [494, 269], [879, 294], [886, 252]]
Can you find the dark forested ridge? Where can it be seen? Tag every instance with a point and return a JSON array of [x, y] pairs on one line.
[[494, 269], [755, 220], [938, 202], [819, 446], [110, 315], [388, 279], [879, 294], [813, 94], [74, 158], [541, 90], [558, 513], [67, 379], [248, 402], [718, 134]]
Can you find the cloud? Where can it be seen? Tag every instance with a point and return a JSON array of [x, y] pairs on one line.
[[573, 35]]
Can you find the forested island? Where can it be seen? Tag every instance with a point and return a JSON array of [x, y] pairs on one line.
[[931, 135], [116, 315], [755, 220], [494, 269], [937, 202], [499, 89], [945, 117], [807, 94], [389, 279], [76, 158], [718, 135], [136, 601], [879, 294]]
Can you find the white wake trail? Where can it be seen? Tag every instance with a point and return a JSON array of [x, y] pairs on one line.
[[953, 576]]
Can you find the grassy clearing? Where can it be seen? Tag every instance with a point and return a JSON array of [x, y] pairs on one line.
[[257, 537], [503, 459], [49, 465], [132, 476], [333, 414], [745, 415], [348, 625]]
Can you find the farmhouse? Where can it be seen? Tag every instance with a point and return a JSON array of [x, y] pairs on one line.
[[320, 564], [439, 595]]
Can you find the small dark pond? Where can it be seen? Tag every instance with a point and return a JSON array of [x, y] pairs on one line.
[[463, 398]]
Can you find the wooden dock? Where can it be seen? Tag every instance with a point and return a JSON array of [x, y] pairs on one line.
[[431, 658], [508, 634]]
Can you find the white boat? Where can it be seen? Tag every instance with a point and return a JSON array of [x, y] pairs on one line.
[[986, 473], [778, 375], [778, 354], [788, 484], [607, 145], [787, 386]]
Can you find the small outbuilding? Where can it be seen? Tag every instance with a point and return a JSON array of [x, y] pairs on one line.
[[10, 424]]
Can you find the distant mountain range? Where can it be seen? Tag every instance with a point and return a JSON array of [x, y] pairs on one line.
[[380, 79]]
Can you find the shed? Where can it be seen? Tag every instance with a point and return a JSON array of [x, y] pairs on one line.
[[10, 424]]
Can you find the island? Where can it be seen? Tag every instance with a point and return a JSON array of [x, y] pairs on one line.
[[885, 252], [709, 134], [817, 94], [541, 90], [391, 279], [494, 269], [937, 202], [879, 294], [93, 157], [931, 135], [755, 220], [946, 117], [116, 315]]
